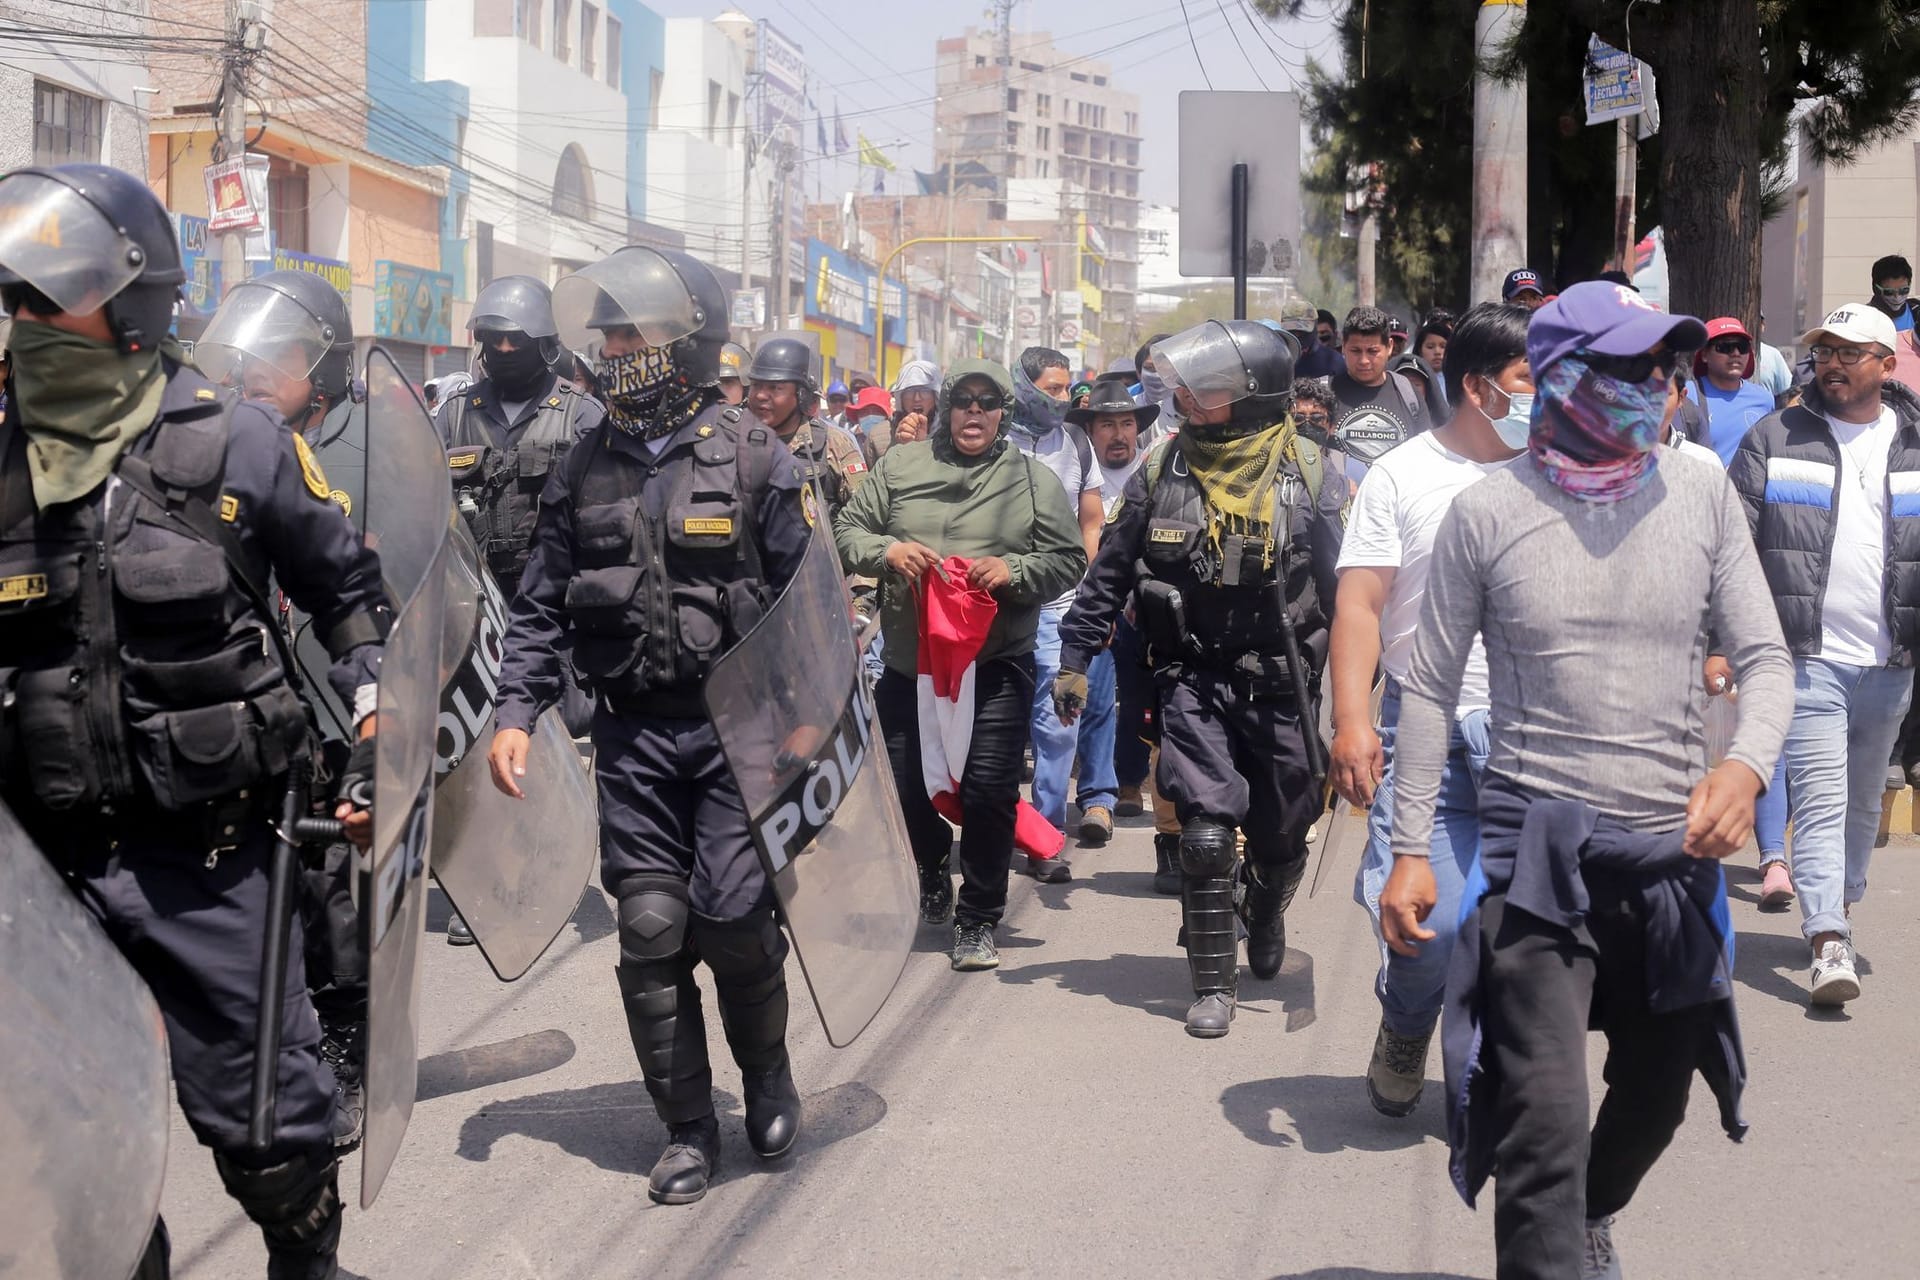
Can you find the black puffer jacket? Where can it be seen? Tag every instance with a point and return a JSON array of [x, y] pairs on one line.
[[1788, 475]]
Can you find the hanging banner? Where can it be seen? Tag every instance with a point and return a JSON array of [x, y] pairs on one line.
[[1614, 84], [237, 194]]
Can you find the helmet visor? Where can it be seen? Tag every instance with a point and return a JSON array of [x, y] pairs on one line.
[[635, 287], [1207, 363], [257, 323], [54, 239]]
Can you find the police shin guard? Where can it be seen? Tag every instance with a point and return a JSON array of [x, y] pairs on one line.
[[1270, 890], [1206, 908], [662, 1003], [748, 959], [297, 1206]]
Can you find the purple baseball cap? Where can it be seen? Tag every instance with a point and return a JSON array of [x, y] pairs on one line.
[[1608, 318]]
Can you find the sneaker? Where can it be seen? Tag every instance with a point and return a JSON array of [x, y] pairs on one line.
[[1600, 1262], [1052, 870], [1131, 803], [1776, 887], [973, 947], [1896, 777], [1834, 979], [936, 896], [1096, 825], [1398, 1072]]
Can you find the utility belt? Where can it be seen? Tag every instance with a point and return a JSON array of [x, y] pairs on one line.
[[217, 826], [1160, 609], [662, 704]]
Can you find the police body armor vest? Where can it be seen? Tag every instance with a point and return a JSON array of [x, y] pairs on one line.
[[498, 490], [1198, 602], [133, 670], [655, 599], [816, 463]]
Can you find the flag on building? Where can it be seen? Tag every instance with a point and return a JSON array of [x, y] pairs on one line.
[[873, 157], [820, 131], [839, 132]]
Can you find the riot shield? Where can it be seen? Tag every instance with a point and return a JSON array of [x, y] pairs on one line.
[[409, 512], [83, 1083], [794, 718], [513, 868]]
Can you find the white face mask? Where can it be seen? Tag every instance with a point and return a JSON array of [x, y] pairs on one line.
[[1517, 425]]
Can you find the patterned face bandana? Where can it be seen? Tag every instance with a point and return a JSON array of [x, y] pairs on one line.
[[646, 394], [1036, 412], [1594, 435]]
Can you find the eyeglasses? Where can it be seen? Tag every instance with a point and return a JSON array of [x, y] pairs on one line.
[[1885, 292], [1823, 352], [1319, 420], [985, 401], [1632, 368], [1731, 346]]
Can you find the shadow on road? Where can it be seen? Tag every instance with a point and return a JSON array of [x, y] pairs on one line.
[[481, 1065], [1131, 884], [615, 1127], [593, 918], [1324, 1114], [1153, 984]]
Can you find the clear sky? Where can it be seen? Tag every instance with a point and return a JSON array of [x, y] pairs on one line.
[[873, 59]]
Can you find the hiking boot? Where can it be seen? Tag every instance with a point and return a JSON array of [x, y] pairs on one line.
[[936, 896], [973, 947], [1096, 825], [1398, 1072], [1211, 1016], [1600, 1262], [1052, 870], [1131, 803], [1776, 887], [1834, 980], [685, 1169], [458, 935], [343, 1049], [1166, 863]]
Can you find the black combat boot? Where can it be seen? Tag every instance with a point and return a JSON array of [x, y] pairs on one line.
[[1206, 907], [1270, 891], [296, 1204], [690, 1163], [1166, 863], [343, 1047], [748, 958], [936, 895]]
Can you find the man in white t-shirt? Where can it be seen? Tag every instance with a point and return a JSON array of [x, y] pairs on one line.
[[1040, 428], [1832, 490], [1383, 568]]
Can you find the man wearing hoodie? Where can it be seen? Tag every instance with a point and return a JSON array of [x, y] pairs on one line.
[[1317, 360], [1042, 432], [1832, 492]]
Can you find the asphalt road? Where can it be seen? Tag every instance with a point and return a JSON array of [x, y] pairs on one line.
[[1053, 1119]]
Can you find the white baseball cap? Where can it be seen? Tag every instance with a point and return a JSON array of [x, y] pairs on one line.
[[1859, 323]]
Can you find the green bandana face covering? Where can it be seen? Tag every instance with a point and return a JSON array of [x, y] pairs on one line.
[[81, 403]]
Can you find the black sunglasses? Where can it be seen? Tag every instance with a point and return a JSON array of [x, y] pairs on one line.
[[1311, 419], [985, 401], [1631, 368], [1731, 346]]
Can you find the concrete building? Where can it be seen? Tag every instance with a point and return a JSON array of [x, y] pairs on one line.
[[1049, 116], [79, 93]]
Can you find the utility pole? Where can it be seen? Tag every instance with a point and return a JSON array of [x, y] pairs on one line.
[[1626, 165], [235, 56], [1499, 154], [1364, 268], [784, 172], [746, 169], [946, 275]]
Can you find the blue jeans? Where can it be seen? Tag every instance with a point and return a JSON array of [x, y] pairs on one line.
[[1844, 722], [1053, 742], [1770, 816], [1096, 727], [1411, 988]]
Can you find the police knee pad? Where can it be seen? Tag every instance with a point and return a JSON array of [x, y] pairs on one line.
[[296, 1203], [653, 919], [1206, 848], [750, 952]]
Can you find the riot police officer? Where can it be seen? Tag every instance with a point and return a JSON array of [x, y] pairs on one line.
[[285, 339], [149, 718], [1215, 542], [660, 541], [784, 395], [733, 372]]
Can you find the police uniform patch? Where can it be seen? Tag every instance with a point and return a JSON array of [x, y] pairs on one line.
[[809, 505], [1167, 535], [342, 499], [310, 468], [704, 431], [229, 508], [554, 403], [206, 393], [458, 460], [708, 524], [25, 586], [478, 401]]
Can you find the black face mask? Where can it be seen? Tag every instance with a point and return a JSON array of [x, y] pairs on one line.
[[518, 371]]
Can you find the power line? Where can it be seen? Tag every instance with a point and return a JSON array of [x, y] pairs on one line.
[[1198, 60], [1232, 31]]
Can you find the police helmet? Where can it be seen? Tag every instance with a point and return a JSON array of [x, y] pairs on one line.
[[733, 361], [672, 299], [518, 304], [1242, 363], [292, 320], [784, 360], [81, 238]]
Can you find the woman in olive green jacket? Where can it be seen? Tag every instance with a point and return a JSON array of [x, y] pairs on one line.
[[965, 491]]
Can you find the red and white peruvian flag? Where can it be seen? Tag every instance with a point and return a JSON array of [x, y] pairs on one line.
[[954, 620]]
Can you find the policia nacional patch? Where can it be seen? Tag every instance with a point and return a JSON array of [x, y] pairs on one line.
[[310, 470]]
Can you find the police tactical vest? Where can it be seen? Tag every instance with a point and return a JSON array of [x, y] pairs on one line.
[[816, 459], [134, 670], [498, 490], [654, 599]]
